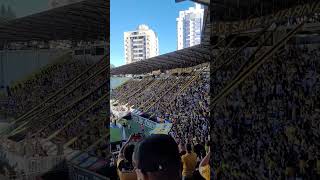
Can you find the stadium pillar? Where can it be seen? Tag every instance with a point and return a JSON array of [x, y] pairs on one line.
[[4, 60], [2, 68]]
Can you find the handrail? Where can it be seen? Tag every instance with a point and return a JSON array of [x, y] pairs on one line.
[[71, 141], [162, 95], [137, 90], [253, 54], [195, 77], [69, 92], [77, 117], [59, 91], [69, 107], [97, 142], [256, 64], [147, 101], [18, 130], [152, 83], [229, 59], [192, 79], [225, 49]]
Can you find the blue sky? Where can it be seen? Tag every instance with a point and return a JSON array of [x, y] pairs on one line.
[[159, 15], [125, 15]]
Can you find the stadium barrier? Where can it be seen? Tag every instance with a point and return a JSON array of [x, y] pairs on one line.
[[163, 128], [3, 177], [78, 173], [141, 120], [31, 165], [82, 165]]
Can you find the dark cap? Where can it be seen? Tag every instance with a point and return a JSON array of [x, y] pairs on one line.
[[158, 152]]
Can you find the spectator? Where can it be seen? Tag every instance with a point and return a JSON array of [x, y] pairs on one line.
[[189, 161], [182, 149], [204, 167], [124, 163], [157, 158]]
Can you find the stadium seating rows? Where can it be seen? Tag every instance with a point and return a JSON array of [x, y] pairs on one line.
[[270, 121]]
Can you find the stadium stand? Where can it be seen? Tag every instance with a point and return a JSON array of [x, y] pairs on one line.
[[265, 120], [171, 90], [264, 106], [264, 101], [60, 113]]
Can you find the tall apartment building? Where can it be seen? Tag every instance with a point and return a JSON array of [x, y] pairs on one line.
[[140, 44], [189, 26]]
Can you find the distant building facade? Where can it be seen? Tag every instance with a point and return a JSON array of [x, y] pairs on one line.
[[189, 26], [140, 44]]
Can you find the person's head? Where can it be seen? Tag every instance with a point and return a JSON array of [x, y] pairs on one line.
[[128, 151], [157, 157], [189, 148], [181, 147]]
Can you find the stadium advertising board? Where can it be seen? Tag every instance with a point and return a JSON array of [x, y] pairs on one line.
[[90, 161], [79, 159], [83, 167], [122, 121], [163, 128], [249, 24], [141, 120], [99, 164], [73, 154]]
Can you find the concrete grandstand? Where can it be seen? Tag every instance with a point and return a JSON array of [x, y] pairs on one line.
[[55, 110], [167, 94], [264, 83]]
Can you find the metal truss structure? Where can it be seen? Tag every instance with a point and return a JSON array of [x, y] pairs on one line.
[[85, 20]]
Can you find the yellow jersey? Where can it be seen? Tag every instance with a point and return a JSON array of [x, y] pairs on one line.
[[205, 171], [124, 174], [189, 162]]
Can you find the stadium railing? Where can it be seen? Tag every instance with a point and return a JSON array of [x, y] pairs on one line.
[[32, 165], [257, 63]]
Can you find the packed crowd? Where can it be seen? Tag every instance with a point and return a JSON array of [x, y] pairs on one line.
[[188, 109], [28, 93], [102, 148], [75, 117], [268, 127], [147, 158], [93, 133], [125, 92], [181, 98]]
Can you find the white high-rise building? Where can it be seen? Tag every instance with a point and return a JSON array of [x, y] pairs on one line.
[[140, 44], [189, 26]]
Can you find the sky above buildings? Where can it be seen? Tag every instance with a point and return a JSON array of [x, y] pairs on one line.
[[126, 15], [159, 15]]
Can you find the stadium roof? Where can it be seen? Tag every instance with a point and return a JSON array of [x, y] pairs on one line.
[[178, 59], [85, 20], [234, 10], [204, 2], [207, 26]]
